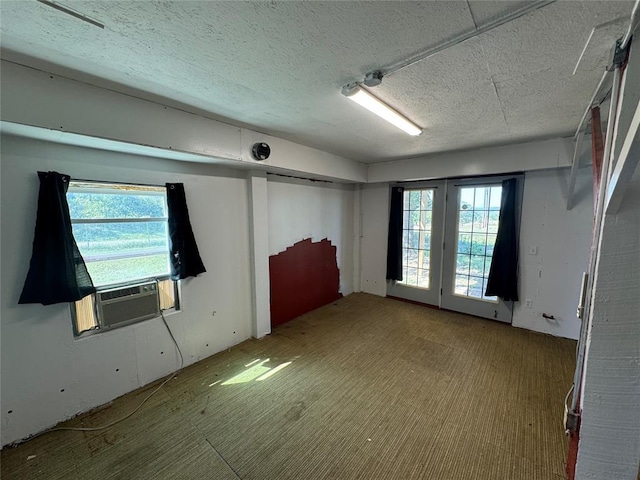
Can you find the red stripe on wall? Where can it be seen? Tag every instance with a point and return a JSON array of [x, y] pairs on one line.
[[597, 152], [303, 277]]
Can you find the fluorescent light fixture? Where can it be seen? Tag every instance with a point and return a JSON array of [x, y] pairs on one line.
[[363, 98]]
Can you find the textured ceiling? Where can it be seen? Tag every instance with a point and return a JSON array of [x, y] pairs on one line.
[[277, 67]]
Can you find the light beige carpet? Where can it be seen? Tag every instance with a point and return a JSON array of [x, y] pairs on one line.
[[376, 389]]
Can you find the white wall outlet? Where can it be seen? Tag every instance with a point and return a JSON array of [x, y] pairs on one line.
[[533, 250], [528, 303]]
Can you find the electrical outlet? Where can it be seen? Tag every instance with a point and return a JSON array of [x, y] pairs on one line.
[[571, 420], [533, 250], [528, 303]]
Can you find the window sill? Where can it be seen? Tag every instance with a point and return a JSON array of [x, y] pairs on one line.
[[106, 331]]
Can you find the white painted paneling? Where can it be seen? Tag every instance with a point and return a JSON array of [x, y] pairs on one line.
[[301, 209], [629, 98], [87, 365], [40, 356], [153, 342], [37, 98], [373, 245], [293, 157], [627, 134], [487, 161], [551, 277], [610, 431]]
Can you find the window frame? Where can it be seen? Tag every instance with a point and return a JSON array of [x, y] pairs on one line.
[[106, 187]]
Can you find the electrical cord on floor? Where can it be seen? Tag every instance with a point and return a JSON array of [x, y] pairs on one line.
[[174, 341], [566, 399], [130, 414]]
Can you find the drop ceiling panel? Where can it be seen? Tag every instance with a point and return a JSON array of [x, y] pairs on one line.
[[450, 96], [484, 12], [540, 104], [550, 38]]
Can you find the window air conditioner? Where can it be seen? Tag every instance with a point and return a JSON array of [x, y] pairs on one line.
[[124, 305]]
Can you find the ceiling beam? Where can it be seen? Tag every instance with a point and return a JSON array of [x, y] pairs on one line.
[[66, 110], [540, 155]]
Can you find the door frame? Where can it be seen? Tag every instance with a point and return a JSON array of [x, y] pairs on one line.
[[430, 296], [443, 235], [500, 311]]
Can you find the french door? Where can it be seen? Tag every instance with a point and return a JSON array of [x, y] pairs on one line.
[[422, 217], [449, 233], [471, 226]]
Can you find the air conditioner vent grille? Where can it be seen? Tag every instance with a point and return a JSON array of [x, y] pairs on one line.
[[123, 292], [126, 305]]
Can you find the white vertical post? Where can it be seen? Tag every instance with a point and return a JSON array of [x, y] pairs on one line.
[[357, 237], [259, 232]]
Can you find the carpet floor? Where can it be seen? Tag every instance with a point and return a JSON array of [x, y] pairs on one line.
[[364, 388]]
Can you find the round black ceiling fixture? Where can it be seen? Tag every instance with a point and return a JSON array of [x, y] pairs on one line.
[[261, 151]]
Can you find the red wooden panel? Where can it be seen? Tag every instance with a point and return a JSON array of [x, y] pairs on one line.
[[303, 277], [572, 457]]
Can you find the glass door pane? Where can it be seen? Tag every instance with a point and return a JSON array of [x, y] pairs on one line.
[[449, 234], [472, 217], [475, 239], [416, 237], [423, 216]]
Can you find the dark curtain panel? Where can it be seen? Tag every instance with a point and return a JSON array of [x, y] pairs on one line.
[[57, 272], [185, 258], [394, 244], [503, 274]]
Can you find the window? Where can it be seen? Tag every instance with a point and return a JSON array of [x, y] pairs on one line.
[[416, 237], [122, 234], [478, 217]]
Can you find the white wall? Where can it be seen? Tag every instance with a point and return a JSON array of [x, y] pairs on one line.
[[300, 209], [374, 204], [551, 278], [40, 356], [610, 429], [609, 444], [540, 155], [36, 98]]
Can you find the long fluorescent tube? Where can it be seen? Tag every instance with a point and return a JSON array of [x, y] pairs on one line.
[[365, 99]]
